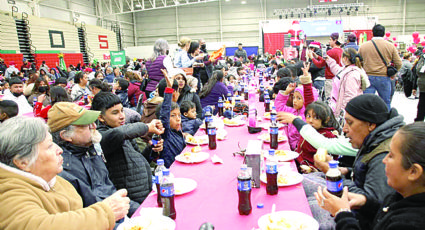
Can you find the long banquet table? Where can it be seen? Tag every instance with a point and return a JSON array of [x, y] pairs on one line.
[[215, 199]]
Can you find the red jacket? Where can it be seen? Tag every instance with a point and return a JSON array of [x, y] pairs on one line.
[[134, 93], [307, 151], [336, 54], [39, 112]]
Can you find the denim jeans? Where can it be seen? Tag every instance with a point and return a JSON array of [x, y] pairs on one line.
[[383, 86]]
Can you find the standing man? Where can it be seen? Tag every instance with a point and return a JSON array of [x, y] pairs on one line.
[[241, 53], [16, 94], [336, 54], [351, 42], [206, 71], [375, 67]]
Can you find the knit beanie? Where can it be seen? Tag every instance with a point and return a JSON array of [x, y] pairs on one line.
[[368, 107]]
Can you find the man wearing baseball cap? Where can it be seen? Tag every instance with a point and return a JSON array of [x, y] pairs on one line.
[[74, 130], [352, 42]]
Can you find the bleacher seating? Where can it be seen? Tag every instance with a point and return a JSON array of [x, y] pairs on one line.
[[17, 58], [94, 44], [41, 39], [52, 59], [8, 35]]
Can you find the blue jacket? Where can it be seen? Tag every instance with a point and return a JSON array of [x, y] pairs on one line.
[[190, 126], [85, 169], [123, 95], [110, 78], [174, 142], [352, 45]]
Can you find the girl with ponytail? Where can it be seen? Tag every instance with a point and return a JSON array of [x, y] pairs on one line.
[[349, 81]]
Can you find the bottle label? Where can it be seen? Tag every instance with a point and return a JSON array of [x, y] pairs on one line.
[[167, 191], [273, 117], [334, 186], [267, 101], [158, 178], [274, 130], [154, 180], [154, 142], [244, 185], [271, 168], [212, 131]]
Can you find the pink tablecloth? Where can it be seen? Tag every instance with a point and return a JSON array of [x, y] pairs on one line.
[[215, 199]]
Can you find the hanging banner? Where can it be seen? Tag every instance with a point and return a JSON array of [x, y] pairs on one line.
[[117, 58]]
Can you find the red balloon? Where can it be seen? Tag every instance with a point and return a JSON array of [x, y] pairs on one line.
[[388, 34], [415, 34], [416, 40], [394, 39], [395, 44]]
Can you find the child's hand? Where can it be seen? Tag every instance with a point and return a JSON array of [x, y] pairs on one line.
[[156, 127], [41, 98], [158, 147], [285, 117], [291, 87], [168, 79], [306, 68]]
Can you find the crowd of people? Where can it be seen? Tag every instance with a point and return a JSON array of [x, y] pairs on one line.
[[88, 168]]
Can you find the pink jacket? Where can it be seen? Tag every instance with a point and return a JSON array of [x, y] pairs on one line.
[[350, 83], [280, 104]]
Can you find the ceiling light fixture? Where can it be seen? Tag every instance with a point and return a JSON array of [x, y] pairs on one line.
[[243, 2]]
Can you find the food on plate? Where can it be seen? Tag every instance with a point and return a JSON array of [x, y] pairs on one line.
[[187, 155], [281, 223], [306, 169], [321, 155], [266, 115], [196, 149], [280, 152], [197, 140], [231, 122], [266, 137]]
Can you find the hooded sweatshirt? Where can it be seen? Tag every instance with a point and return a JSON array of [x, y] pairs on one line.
[[306, 92]]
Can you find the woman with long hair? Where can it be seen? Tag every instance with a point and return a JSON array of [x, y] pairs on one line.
[[159, 60], [57, 94], [350, 78], [214, 89], [41, 86]]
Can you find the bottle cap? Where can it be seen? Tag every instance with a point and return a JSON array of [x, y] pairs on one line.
[[260, 205], [271, 152], [220, 98], [333, 164], [160, 162], [166, 172]]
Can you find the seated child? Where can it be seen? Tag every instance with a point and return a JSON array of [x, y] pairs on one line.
[[121, 86], [8, 109], [190, 124], [169, 114], [319, 116], [303, 96]]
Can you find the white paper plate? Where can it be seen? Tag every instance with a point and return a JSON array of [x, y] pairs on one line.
[[282, 155], [266, 137], [238, 123], [217, 121], [293, 219], [201, 140], [149, 223], [290, 178], [182, 186], [189, 157]]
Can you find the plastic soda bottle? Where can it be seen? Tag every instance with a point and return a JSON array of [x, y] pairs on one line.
[[158, 179], [244, 191], [208, 118], [273, 115], [274, 132], [220, 107], [334, 179], [212, 143], [267, 102], [167, 195], [271, 172]]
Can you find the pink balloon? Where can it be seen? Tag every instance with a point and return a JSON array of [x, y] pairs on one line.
[[388, 34], [416, 40], [395, 44], [394, 39], [415, 34], [423, 44], [386, 38], [411, 49]]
